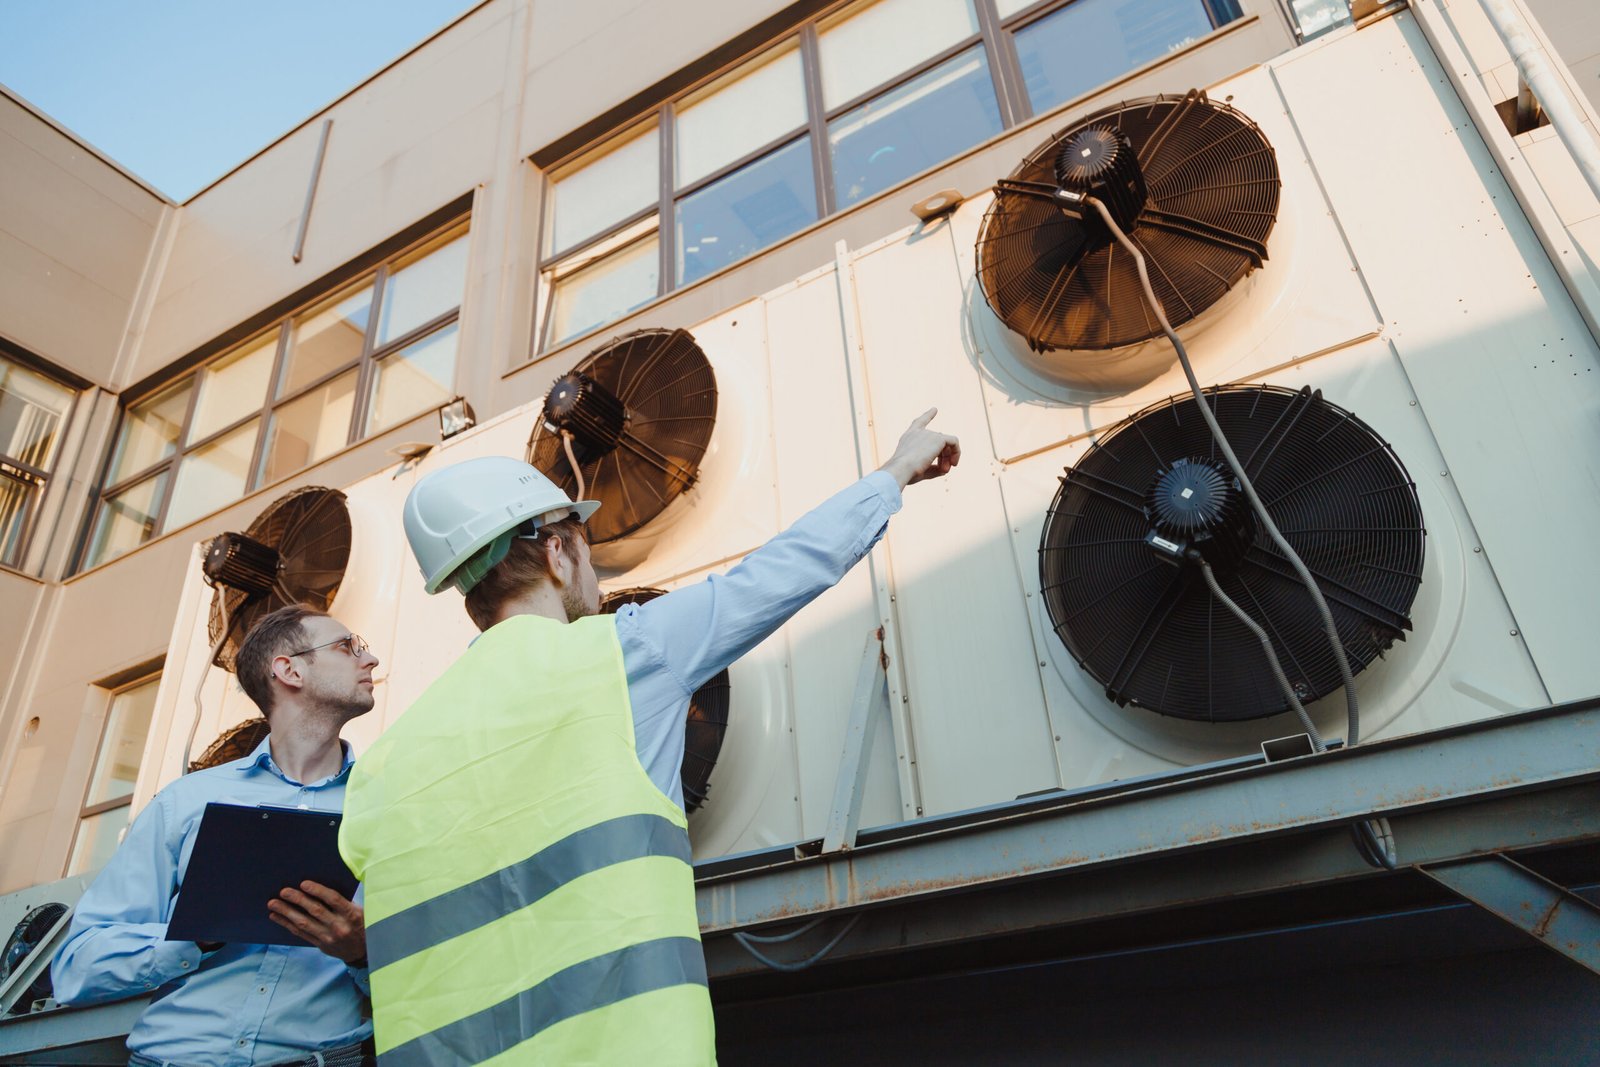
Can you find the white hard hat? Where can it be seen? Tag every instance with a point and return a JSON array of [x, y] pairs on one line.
[[461, 519]]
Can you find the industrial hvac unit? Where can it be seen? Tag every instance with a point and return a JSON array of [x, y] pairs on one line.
[[1037, 639]]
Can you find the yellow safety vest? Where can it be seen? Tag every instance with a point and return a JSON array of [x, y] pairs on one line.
[[529, 896]]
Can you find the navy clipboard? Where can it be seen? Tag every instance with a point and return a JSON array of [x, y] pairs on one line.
[[242, 857]]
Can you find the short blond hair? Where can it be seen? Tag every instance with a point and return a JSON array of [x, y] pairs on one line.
[[526, 565]]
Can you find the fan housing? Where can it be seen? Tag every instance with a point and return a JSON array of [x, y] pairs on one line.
[[1133, 608], [295, 552], [1194, 184], [637, 414]]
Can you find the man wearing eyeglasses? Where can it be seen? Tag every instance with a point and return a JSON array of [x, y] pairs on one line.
[[235, 1004]]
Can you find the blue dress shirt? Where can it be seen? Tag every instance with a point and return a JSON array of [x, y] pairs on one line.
[[241, 1005], [676, 643]]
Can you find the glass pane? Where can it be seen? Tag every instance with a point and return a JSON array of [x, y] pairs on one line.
[[922, 123], [423, 286], [753, 106], [16, 508], [1126, 34], [866, 49], [1316, 17], [326, 338], [746, 211], [98, 837], [122, 745], [32, 408], [418, 377], [607, 187], [309, 428], [126, 520], [150, 431], [233, 387], [1007, 8], [605, 291], [212, 477]]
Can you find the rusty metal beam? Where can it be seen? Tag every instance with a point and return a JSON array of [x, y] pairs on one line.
[[1528, 752], [1548, 818], [1555, 917]]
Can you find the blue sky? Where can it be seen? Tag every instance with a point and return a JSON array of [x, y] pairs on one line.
[[179, 91]]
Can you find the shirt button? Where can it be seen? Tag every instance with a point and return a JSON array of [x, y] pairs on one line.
[[261, 989], [185, 965]]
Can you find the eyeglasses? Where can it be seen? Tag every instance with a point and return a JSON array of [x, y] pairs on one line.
[[352, 644]]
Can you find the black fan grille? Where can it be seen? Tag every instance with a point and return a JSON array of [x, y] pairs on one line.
[[310, 528], [1152, 633], [708, 714], [1213, 185], [236, 742], [665, 382]]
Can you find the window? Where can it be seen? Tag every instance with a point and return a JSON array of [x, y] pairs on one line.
[[33, 413], [116, 770], [357, 361], [833, 113]]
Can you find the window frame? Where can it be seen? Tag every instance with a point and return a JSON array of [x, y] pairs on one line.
[[87, 810], [995, 35], [365, 365], [37, 478]]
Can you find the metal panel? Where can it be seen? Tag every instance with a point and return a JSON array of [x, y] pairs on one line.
[[977, 710], [1502, 364]]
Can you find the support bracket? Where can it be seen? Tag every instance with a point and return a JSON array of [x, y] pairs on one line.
[[872, 691], [1558, 918]]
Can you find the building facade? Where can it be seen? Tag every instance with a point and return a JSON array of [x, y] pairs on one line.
[[539, 177]]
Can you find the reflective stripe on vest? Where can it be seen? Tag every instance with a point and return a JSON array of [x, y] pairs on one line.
[[529, 896]]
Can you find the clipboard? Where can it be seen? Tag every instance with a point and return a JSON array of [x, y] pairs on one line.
[[243, 856]]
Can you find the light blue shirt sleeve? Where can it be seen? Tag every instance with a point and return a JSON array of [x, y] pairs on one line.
[[672, 645], [116, 945]]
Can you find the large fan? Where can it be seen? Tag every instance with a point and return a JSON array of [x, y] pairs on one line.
[[628, 427], [236, 742], [708, 713], [1194, 184], [25, 939], [294, 553], [1135, 611]]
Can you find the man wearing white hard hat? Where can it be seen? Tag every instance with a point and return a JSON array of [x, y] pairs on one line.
[[520, 829]]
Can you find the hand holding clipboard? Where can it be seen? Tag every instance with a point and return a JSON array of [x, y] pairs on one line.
[[246, 857]]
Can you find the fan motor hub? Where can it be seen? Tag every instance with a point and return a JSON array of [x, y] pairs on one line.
[[240, 562], [589, 411], [1099, 161], [1198, 503]]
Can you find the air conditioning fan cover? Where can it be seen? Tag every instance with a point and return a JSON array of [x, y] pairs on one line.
[[1150, 631], [1196, 185], [295, 552], [638, 415]]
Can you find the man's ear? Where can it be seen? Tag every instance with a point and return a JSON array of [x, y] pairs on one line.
[[556, 560], [286, 671]]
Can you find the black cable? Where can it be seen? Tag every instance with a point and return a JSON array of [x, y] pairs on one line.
[[1374, 838]]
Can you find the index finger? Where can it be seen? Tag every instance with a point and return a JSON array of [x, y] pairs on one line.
[[323, 893], [921, 421]]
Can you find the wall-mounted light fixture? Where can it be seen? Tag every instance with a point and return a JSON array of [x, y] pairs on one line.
[[455, 416]]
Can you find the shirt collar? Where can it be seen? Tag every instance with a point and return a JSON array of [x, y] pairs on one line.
[[261, 758]]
